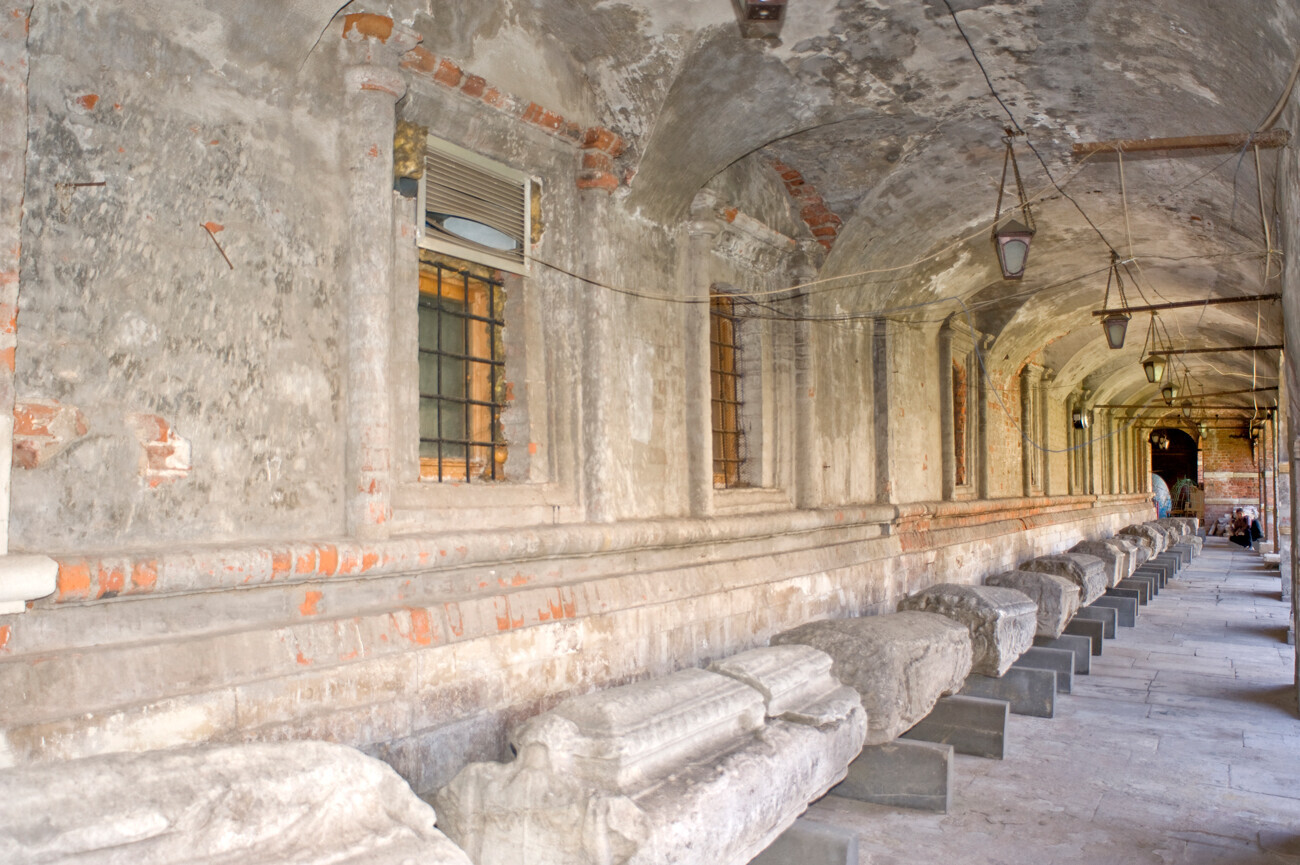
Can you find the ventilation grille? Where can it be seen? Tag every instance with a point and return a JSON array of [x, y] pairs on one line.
[[463, 185]]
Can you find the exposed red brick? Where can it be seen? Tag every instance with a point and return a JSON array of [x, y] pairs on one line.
[[311, 603], [540, 116], [144, 575], [495, 98], [600, 138], [111, 580], [6, 631], [448, 74], [420, 59], [595, 161], [43, 429], [474, 86], [88, 101], [73, 581], [367, 24]]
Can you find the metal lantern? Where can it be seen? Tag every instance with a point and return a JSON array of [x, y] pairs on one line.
[[1154, 367], [1187, 408], [1170, 393], [1115, 323], [1011, 238]]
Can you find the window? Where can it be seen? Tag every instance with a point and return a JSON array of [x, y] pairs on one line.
[[462, 372], [727, 405], [960, 398]]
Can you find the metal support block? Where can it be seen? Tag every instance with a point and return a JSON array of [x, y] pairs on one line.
[[1059, 661], [1154, 578], [1026, 690], [972, 725], [809, 843], [1093, 631], [1142, 587], [1187, 551], [1125, 608], [1081, 646], [1158, 575], [901, 773], [1108, 616]]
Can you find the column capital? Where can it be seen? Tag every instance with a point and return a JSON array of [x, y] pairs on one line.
[[373, 46]]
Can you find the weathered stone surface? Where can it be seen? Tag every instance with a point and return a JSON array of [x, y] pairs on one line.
[[683, 769], [1183, 527], [1001, 620], [1138, 548], [261, 803], [1113, 556], [1087, 572], [1152, 535], [901, 664], [796, 683], [1056, 597]]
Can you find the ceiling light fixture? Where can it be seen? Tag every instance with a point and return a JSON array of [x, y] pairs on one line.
[[1153, 364], [1011, 238], [1115, 323]]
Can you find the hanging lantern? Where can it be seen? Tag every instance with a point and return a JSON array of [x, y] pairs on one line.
[[1187, 408], [1170, 393], [1011, 238], [1115, 323], [1153, 364]]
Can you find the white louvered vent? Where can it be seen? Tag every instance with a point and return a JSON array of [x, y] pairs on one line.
[[474, 208]]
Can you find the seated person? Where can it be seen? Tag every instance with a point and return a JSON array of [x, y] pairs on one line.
[[1239, 529]]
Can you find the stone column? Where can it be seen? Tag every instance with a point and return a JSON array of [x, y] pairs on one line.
[[880, 404], [947, 422], [809, 475], [1045, 455], [372, 46], [703, 231], [22, 578]]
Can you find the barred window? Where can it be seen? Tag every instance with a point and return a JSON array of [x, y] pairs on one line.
[[724, 368], [462, 372]]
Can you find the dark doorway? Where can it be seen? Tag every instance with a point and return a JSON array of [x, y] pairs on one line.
[[1174, 456]]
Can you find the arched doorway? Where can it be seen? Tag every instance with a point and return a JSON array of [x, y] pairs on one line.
[[1175, 457]]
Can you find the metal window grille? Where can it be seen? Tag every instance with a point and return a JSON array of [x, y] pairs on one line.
[[727, 403], [462, 375]]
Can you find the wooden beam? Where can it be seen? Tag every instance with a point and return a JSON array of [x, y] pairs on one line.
[[1234, 141], [1226, 348], [1189, 304]]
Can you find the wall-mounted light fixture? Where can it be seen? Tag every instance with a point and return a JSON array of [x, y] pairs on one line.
[[1011, 238], [1115, 323], [1079, 419], [760, 19]]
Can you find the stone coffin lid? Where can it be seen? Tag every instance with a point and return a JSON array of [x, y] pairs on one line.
[[1113, 555], [795, 681], [1146, 535], [1057, 597], [1137, 547], [899, 663], [623, 738], [992, 601], [249, 804], [1087, 571]]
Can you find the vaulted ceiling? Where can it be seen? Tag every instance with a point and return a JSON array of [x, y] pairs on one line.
[[883, 108]]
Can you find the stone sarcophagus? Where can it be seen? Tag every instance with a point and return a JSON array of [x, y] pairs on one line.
[[1113, 556], [1153, 537], [1139, 549], [1057, 598], [697, 767], [260, 804], [1086, 572], [1001, 621], [900, 664]]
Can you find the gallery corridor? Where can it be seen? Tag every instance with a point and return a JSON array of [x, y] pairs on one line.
[[1182, 747]]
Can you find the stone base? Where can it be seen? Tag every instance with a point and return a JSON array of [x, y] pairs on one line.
[[902, 773], [1093, 630], [1081, 646], [809, 843], [1059, 661], [972, 725], [1141, 588], [1027, 691], [1126, 609], [1108, 617]]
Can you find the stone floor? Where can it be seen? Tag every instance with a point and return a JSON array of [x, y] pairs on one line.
[[1182, 746]]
